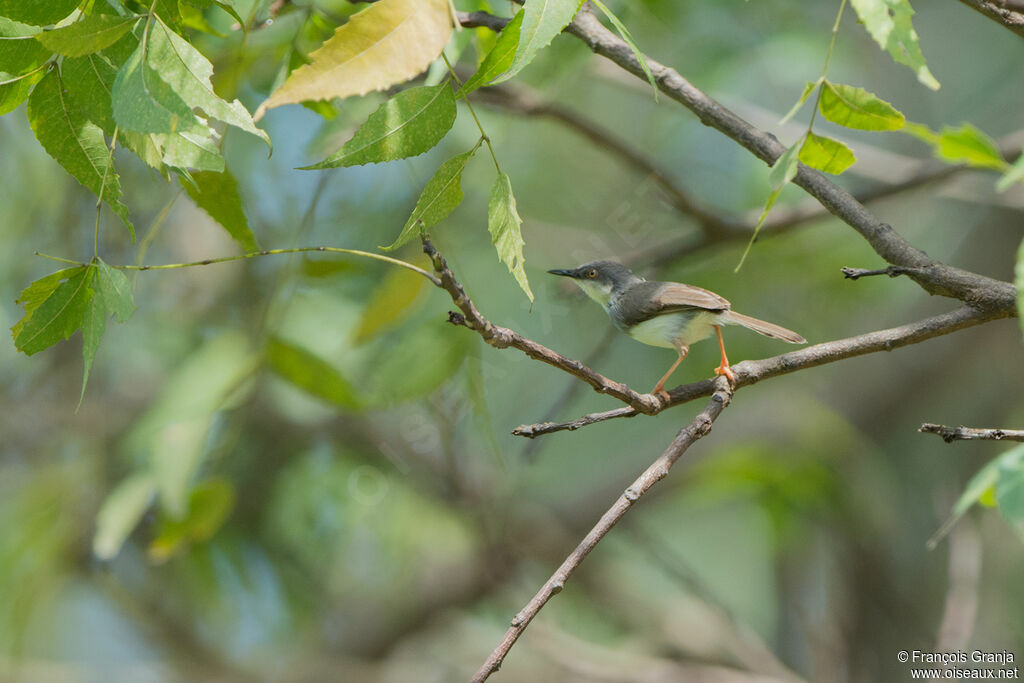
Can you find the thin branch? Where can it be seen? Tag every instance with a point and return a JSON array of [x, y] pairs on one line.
[[686, 437], [938, 278], [951, 434], [753, 371], [891, 271], [1009, 16], [503, 338], [481, 20]]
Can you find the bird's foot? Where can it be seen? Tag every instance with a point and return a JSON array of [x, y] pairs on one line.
[[662, 394], [727, 371]]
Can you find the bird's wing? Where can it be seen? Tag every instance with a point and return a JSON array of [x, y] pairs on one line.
[[648, 300]]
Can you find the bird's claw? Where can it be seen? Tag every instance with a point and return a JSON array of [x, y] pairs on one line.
[[727, 371]]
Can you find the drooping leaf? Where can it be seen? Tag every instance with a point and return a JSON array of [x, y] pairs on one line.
[[15, 89], [74, 142], [56, 317], [408, 124], [390, 301], [505, 226], [120, 514], [189, 74], [889, 23], [387, 43], [439, 198], [979, 486], [624, 33], [94, 324], [808, 89], [90, 34], [970, 146], [143, 102], [1014, 175], [209, 505], [542, 21], [782, 173], [37, 12], [19, 51], [499, 59], [310, 373], [1009, 490], [115, 291], [826, 154], [857, 108], [217, 194]]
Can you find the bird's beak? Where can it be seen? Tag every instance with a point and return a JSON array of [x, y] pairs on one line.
[[562, 271]]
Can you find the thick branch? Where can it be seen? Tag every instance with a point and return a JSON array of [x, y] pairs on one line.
[[1004, 13], [936, 278], [503, 338], [686, 437], [951, 434], [753, 371]]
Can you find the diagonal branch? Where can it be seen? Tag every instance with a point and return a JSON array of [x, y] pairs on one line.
[[951, 434], [686, 437], [1004, 13], [935, 278], [753, 371], [503, 338]]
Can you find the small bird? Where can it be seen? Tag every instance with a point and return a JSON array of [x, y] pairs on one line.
[[667, 314]]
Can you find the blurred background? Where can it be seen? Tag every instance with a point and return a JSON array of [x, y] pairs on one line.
[[352, 505]]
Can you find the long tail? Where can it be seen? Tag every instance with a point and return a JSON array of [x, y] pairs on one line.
[[765, 328]]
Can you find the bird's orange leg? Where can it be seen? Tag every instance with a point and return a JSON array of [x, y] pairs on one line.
[[723, 368], [659, 388]]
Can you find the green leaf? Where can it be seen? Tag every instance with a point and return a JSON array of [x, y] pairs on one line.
[[1014, 175], [209, 505], [89, 81], [120, 514], [58, 315], [782, 173], [808, 89], [439, 198], [19, 51], [217, 194], [389, 42], [390, 302], [826, 154], [505, 226], [408, 124], [74, 142], [189, 74], [499, 59], [857, 108], [1010, 488], [94, 324], [143, 102], [310, 373], [542, 21], [624, 33], [15, 89], [90, 34], [977, 488], [39, 291], [969, 145], [922, 133], [1019, 282], [889, 23], [115, 291], [37, 12]]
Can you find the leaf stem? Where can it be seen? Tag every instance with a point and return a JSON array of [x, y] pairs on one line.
[[465, 98], [266, 252], [828, 60], [103, 189], [28, 73]]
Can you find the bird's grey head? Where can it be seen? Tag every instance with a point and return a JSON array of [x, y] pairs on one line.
[[600, 279]]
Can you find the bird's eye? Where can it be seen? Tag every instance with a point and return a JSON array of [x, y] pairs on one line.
[[592, 273]]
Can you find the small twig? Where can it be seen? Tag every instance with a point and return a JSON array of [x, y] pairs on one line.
[[481, 20], [951, 434], [686, 437], [891, 271], [1010, 16], [753, 371], [503, 338]]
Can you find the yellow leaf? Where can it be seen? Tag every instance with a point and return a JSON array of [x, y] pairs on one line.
[[389, 42]]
